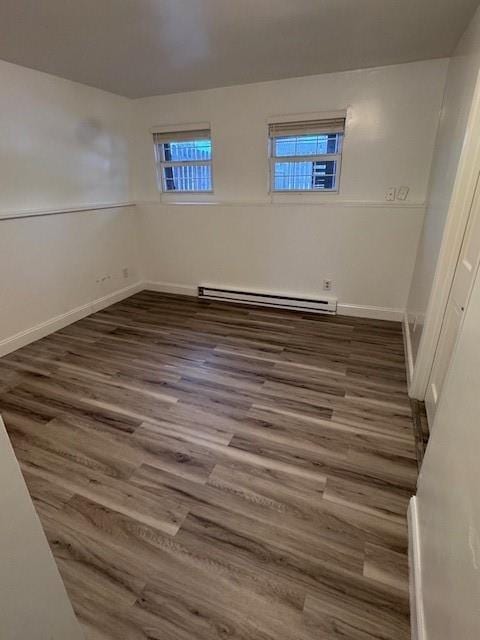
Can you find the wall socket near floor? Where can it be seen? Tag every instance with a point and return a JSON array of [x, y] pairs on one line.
[[327, 285], [125, 272]]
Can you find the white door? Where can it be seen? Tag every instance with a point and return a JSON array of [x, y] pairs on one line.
[[466, 269]]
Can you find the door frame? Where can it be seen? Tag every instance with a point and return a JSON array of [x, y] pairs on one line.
[[455, 227]]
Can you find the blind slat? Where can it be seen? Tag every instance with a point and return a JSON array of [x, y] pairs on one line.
[[308, 127], [181, 136]]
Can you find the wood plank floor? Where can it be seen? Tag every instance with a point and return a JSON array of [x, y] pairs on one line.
[[205, 471]]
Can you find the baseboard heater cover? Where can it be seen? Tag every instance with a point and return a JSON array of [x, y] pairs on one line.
[[281, 301]]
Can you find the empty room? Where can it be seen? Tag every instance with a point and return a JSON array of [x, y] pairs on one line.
[[239, 320]]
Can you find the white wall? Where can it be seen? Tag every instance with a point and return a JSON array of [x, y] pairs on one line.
[[462, 76], [50, 266], [389, 138], [447, 499], [284, 248], [291, 243], [33, 599], [62, 145]]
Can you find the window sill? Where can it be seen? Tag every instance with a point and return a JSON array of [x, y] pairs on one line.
[[186, 193], [305, 192]]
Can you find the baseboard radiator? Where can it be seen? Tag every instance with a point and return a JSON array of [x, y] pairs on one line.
[[314, 305]]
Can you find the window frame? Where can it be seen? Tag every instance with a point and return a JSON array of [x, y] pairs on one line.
[[181, 135], [274, 159]]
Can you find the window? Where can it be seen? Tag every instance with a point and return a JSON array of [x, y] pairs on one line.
[[184, 161], [306, 156]]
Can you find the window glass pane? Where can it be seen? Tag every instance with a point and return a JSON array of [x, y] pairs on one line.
[[188, 178], [187, 150], [317, 175], [285, 146], [308, 145]]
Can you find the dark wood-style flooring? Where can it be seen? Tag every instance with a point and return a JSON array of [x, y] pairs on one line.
[[421, 430], [205, 471]]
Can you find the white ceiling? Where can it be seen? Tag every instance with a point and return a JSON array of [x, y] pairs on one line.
[[146, 47]]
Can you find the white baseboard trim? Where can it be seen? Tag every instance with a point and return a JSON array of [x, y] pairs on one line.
[[359, 311], [407, 344], [417, 620], [171, 287], [43, 329], [364, 311]]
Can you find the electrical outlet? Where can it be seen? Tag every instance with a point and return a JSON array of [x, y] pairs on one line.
[[327, 285], [402, 193], [390, 194], [125, 272]]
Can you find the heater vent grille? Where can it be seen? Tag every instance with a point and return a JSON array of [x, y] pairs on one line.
[[282, 301]]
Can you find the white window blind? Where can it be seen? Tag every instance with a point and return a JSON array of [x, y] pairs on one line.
[[306, 155], [309, 127], [181, 136], [184, 160]]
